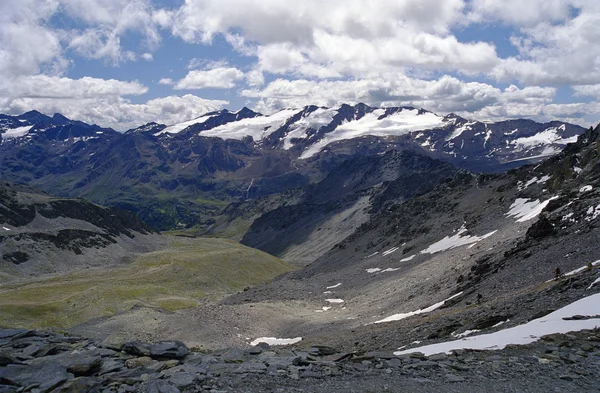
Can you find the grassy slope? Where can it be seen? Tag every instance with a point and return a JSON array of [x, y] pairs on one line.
[[173, 278]]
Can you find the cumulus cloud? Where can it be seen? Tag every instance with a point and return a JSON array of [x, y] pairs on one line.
[[43, 86], [444, 95], [117, 112], [219, 78]]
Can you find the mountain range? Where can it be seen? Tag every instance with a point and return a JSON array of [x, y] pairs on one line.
[[183, 175]]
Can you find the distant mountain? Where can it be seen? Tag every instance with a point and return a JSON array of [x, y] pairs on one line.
[[40, 234], [185, 174]]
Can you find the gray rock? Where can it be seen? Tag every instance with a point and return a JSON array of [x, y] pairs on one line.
[[438, 357], [169, 350], [255, 350], [183, 380], [454, 378], [81, 364], [46, 375], [322, 350], [136, 348], [111, 365], [79, 385], [13, 333], [424, 365], [233, 356], [159, 386]]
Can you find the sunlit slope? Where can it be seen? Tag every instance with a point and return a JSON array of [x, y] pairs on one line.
[[173, 278]]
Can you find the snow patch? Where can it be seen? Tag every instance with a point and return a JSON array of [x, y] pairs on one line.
[[410, 258], [521, 186], [524, 209], [334, 301], [592, 213], [465, 333], [256, 127], [373, 270], [276, 341], [587, 188], [398, 317], [177, 128], [400, 123], [334, 286], [390, 251], [16, 132], [314, 120], [547, 137], [526, 333], [6, 229], [457, 240]]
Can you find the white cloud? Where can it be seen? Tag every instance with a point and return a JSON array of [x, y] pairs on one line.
[[165, 81], [117, 112], [147, 56], [444, 95], [563, 53], [220, 78], [42, 86]]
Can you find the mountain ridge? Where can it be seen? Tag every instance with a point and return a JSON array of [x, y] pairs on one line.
[[181, 178]]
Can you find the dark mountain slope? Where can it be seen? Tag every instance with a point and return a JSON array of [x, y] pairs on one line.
[[40, 234]]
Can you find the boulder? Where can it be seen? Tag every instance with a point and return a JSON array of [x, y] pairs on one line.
[[168, 350]]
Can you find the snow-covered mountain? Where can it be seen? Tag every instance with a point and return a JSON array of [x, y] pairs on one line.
[[312, 130], [226, 155]]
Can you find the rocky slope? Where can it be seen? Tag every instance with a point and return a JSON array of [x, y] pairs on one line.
[[40, 234]]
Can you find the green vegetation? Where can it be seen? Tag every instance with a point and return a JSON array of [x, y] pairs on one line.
[[173, 278]]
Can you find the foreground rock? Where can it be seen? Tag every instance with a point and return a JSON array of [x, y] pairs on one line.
[[42, 362]]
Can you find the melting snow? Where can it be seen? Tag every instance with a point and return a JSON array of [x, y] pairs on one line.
[[592, 213], [315, 120], [450, 242], [521, 186], [389, 270], [465, 333], [16, 132], [334, 286], [256, 127], [525, 210], [276, 341], [391, 250], [373, 270], [526, 333], [399, 123], [546, 137], [594, 283], [410, 258], [177, 128], [6, 229], [334, 301], [581, 269], [587, 188], [459, 130], [372, 255], [398, 317]]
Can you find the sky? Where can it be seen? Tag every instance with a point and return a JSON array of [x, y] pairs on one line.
[[124, 63]]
